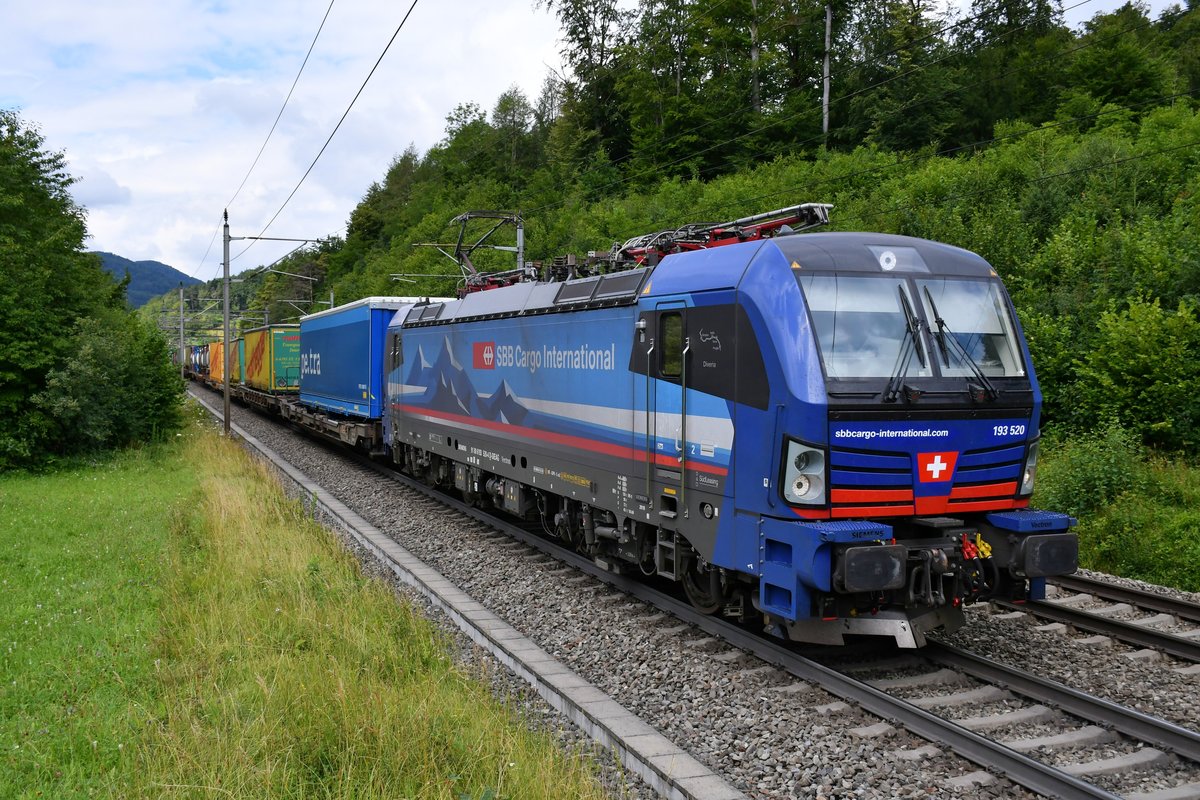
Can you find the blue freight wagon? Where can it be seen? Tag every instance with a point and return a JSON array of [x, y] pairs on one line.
[[342, 353]]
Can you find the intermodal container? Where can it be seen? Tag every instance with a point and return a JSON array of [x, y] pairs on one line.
[[272, 362], [200, 359], [342, 352], [239, 374], [216, 362]]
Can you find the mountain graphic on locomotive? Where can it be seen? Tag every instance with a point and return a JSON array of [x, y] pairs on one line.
[[829, 433]]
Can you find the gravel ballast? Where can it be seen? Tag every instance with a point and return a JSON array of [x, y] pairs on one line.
[[746, 721]]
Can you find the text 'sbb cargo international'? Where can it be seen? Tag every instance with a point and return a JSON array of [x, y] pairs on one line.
[[342, 360], [273, 358]]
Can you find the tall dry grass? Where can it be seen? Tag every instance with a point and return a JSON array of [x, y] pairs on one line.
[[288, 674]]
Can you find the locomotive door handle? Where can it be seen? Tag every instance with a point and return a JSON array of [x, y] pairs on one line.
[[683, 365], [651, 418]]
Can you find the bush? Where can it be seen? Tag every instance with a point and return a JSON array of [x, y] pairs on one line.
[[117, 387], [1144, 371], [1084, 475], [1142, 537]]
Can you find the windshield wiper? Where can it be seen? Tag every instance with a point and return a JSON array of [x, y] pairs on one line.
[[985, 390], [911, 344]]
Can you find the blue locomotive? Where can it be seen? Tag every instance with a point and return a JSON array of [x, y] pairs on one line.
[[830, 433], [835, 433]]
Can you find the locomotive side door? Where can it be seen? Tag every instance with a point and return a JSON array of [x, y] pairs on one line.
[[392, 380], [666, 412]]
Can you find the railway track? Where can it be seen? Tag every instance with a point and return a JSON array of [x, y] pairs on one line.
[[1125, 614], [923, 711], [1008, 757]]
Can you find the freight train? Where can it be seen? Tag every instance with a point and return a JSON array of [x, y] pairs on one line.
[[826, 434]]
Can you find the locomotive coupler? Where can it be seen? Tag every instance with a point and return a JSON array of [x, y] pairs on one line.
[[926, 578]]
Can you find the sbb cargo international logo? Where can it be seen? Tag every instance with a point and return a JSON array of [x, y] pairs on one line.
[[485, 355]]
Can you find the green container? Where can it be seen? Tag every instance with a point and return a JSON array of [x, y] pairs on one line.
[[272, 358]]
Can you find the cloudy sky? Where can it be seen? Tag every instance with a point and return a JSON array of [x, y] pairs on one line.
[[162, 105]]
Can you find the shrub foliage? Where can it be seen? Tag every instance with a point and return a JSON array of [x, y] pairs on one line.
[[78, 372]]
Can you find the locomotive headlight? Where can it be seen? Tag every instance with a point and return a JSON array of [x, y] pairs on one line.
[[804, 474], [1027, 477]]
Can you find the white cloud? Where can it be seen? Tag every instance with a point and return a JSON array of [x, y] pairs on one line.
[[97, 188], [161, 106]]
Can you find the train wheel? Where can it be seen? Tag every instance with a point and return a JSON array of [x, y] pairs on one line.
[[702, 585]]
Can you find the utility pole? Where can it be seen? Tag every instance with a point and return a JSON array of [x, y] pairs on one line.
[[755, 102], [825, 75], [225, 349], [182, 364]]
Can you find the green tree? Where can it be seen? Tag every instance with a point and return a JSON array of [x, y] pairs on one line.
[[1014, 53], [1144, 373], [116, 388], [49, 288], [1119, 60], [903, 97], [593, 31]]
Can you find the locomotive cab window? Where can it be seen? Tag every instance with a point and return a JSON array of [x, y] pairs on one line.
[[861, 323], [670, 335], [397, 353], [975, 314]]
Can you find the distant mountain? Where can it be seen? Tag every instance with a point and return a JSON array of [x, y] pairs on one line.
[[147, 279]]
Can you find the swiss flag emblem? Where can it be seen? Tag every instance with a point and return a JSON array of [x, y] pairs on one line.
[[485, 355], [936, 467]]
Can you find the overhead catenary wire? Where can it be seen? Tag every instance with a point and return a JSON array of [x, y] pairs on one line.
[[271, 132], [332, 133], [286, 100]]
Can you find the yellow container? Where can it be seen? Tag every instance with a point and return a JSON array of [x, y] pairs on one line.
[[273, 358], [235, 362], [216, 362]]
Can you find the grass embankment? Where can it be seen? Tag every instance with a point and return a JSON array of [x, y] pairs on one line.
[[1138, 512], [178, 628], [81, 558]]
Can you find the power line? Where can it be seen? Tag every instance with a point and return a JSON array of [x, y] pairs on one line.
[[208, 249], [278, 116], [335, 129], [281, 108]]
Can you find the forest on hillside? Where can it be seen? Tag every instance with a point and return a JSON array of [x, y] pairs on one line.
[[1069, 158]]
